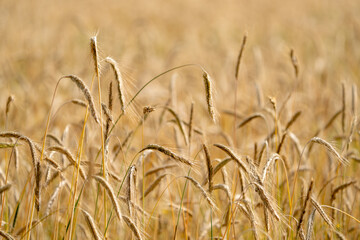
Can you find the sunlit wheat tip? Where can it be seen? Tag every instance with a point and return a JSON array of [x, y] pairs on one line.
[[94, 53]]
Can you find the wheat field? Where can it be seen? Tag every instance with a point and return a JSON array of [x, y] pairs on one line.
[[179, 119]]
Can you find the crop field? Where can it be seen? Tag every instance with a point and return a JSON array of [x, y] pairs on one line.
[[179, 119]]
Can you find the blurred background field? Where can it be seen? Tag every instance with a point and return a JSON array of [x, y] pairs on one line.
[[41, 41]]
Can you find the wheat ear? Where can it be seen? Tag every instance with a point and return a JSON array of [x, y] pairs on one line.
[[131, 188], [233, 156], [293, 120], [132, 226], [335, 191], [209, 96], [84, 89], [251, 217], [111, 194], [250, 118], [266, 200], [7, 236], [34, 160], [271, 160], [5, 188], [69, 156], [209, 167], [320, 210], [37, 186], [310, 224], [294, 62], [330, 148], [91, 224], [157, 169], [53, 197], [167, 152], [304, 207], [153, 185], [202, 190], [119, 81], [8, 104]]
